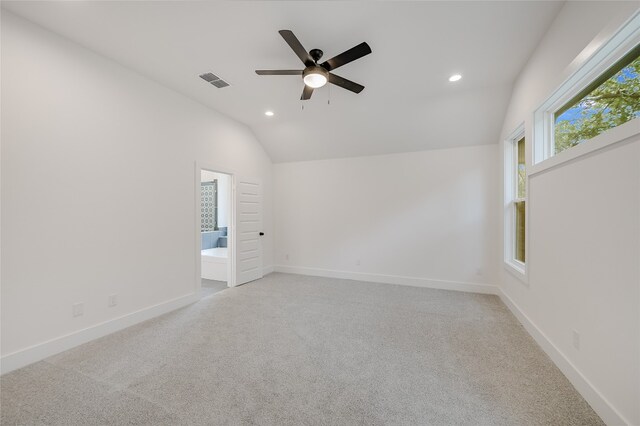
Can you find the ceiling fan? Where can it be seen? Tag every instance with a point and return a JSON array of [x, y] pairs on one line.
[[316, 75]]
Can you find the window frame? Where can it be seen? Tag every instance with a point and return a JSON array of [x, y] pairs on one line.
[[514, 266], [600, 60]]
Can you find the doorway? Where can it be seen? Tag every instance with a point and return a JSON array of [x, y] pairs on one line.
[[215, 213], [228, 225]]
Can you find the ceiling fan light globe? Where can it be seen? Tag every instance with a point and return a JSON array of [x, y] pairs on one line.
[[315, 77], [315, 80]]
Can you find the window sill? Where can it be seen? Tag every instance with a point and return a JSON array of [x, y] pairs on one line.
[[612, 136], [518, 270]]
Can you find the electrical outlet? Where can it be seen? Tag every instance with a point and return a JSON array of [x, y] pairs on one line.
[[113, 300], [286, 256], [78, 309], [479, 272], [576, 340], [358, 262]]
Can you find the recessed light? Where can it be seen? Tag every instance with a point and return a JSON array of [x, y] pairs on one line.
[[455, 77], [269, 113]]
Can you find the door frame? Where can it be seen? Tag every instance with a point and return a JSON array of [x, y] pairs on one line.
[[231, 227]]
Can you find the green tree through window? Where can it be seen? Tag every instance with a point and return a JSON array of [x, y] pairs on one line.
[[611, 100]]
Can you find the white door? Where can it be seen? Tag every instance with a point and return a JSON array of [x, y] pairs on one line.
[[248, 247]]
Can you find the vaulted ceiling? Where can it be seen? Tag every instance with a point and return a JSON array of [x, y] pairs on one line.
[[408, 103]]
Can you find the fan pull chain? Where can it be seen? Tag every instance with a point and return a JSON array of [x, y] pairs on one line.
[[329, 100]]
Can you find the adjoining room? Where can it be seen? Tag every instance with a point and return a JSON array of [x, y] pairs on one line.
[[215, 211]]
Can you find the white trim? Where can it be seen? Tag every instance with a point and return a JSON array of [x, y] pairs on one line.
[[266, 270], [605, 56], [516, 268], [38, 352], [612, 136], [391, 279], [598, 402]]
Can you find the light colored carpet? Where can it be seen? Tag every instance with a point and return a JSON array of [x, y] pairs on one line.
[[295, 350], [210, 287]]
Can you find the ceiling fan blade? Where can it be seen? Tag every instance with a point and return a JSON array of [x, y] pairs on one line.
[[297, 47], [279, 72], [306, 93], [345, 84], [350, 55]]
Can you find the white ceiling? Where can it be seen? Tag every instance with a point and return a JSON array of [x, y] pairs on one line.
[[407, 105]]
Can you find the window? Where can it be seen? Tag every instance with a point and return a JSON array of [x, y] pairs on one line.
[[209, 206], [609, 101], [515, 191], [598, 105], [519, 202]]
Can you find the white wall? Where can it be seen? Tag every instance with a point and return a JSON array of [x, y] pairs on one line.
[[224, 194], [584, 233], [422, 218], [98, 191]]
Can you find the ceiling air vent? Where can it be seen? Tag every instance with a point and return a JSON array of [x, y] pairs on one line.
[[214, 80]]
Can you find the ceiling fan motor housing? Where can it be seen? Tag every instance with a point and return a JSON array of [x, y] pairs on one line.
[[316, 54]]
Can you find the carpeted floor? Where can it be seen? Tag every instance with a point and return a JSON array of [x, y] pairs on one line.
[[295, 350], [210, 287]]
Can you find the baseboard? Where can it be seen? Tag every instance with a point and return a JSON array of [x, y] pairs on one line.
[[597, 401], [38, 352], [266, 270], [391, 279]]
